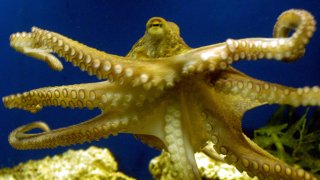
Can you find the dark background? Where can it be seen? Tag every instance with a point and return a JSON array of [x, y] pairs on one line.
[[114, 26]]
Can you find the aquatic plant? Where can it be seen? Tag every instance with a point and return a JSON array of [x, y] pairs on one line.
[[293, 138]]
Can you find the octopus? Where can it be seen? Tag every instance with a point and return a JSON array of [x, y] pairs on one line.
[[170, 96]]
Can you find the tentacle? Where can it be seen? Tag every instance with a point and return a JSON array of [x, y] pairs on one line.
[[163, 72], [41, 43], [155, 72], [247, 156], [239, 150], [280, 47], [74, 96], [104, 95], [170, 130], [94, 129], [238, 88], [263, 92], [179, 147]]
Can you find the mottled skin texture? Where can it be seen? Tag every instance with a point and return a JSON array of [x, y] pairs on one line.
[[171, 96]]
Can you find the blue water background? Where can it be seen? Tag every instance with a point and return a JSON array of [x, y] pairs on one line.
[[114, 26]]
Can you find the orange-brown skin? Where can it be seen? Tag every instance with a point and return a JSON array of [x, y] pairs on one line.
[[169, 95]]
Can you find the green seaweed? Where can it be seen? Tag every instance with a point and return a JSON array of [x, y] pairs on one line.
[[293, 138]]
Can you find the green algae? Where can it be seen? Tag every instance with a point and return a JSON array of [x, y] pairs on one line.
[[293, 138]]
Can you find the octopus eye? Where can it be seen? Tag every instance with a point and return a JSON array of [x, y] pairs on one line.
[[156, 25]]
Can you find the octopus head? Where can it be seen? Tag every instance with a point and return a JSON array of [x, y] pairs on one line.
[[158, 27]]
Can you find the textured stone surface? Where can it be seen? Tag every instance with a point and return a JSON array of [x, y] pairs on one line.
[[93, 163], [161, 168]]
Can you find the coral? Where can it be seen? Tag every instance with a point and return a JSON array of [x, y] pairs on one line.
[[209, 167], [94, 163]]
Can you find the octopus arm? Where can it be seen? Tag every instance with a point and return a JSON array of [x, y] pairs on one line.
[[245, 155], [280, 47], [168, 124], [238, 150], [40, 44], [238, 88], [104, 95], [94, 129], [260, 92], [74, 96]]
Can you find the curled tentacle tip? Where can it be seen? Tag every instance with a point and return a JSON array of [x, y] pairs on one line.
[[34, 125], [17, 136], [301, 21], [296, 27]]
